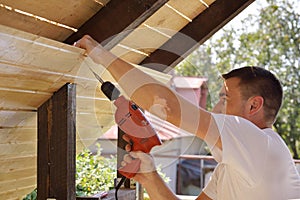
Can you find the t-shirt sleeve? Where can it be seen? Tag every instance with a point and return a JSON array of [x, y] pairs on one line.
[[243, 145]]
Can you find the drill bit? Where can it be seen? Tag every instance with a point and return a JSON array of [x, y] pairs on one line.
[[107, 87], [97, 76]]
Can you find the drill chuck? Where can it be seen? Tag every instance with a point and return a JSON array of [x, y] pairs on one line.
[[110, 91]]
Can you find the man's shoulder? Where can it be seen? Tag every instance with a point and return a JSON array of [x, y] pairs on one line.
[[234, 120]]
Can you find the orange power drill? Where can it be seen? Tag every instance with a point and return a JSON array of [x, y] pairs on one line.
[[132, 121]]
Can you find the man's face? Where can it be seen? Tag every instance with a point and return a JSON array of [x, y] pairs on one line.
[[230, 99]]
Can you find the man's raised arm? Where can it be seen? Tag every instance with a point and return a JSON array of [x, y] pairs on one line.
[[147, 92]]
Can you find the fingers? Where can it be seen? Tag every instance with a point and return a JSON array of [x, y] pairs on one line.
[[127, 139], [129, 157], [135, 154], [95, 51], [144, 157], [126, 159], [146, 160], [82, 43], [77, 44], [128, 147], [140, 155]]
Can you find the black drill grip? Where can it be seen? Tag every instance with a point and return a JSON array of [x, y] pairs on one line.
[[110, 90]]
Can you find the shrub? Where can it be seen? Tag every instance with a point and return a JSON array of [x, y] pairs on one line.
[[94, 173], [31, 196]]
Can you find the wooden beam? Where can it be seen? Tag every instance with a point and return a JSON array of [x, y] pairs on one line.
[[57, 145], [194, 34], [118, 16]]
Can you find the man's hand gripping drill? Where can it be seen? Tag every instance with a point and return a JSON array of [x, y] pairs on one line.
[[132, 121], [139, 131]]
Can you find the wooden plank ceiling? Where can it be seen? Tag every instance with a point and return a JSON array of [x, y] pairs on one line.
[[36, 59]]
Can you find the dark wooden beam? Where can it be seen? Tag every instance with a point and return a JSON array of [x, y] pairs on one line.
[[57, 145], [116, 20], [194, 34]]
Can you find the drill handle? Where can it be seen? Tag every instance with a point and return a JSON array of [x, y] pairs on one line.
[[132, 121], [130, 169]]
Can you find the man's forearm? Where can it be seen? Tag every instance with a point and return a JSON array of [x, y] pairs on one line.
[[148, 93], [157, 188]]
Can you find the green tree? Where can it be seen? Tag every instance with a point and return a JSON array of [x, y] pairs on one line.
[[271, 40]]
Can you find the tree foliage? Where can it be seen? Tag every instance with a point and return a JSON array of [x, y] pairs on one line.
[[271, 40]]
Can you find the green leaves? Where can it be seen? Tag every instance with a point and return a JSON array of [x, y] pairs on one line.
[[31, 196], [94, 173]]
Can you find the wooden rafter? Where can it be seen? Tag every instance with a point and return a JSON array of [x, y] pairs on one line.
[[194, 34], [116, 17]]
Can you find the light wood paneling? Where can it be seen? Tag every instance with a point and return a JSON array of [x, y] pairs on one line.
[[16, 20], [15, 164], [70, 13], [37, 53], [31, 69], [10, 187], [17, 194], [18, 135], [17, 174], [21, 100], [23, 149], [16, 77], [14, 118], [160, 27], [167, 18], [130, 56], [190, 8], [90, 104]]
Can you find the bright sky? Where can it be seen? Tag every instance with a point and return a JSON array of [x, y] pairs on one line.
[[253, 9]]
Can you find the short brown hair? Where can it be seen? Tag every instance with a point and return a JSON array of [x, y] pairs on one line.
[[257, 81]]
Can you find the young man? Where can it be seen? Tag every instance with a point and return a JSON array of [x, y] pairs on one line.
[[253, 161]]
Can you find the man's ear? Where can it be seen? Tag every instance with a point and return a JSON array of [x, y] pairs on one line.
[[255, 104]]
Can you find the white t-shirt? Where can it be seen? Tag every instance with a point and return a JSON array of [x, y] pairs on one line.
[[254, 164]]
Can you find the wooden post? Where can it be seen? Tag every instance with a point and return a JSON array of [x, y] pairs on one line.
[[57, 145]]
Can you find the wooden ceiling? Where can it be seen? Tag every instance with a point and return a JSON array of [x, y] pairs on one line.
[[37, 58], [161, 32]]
